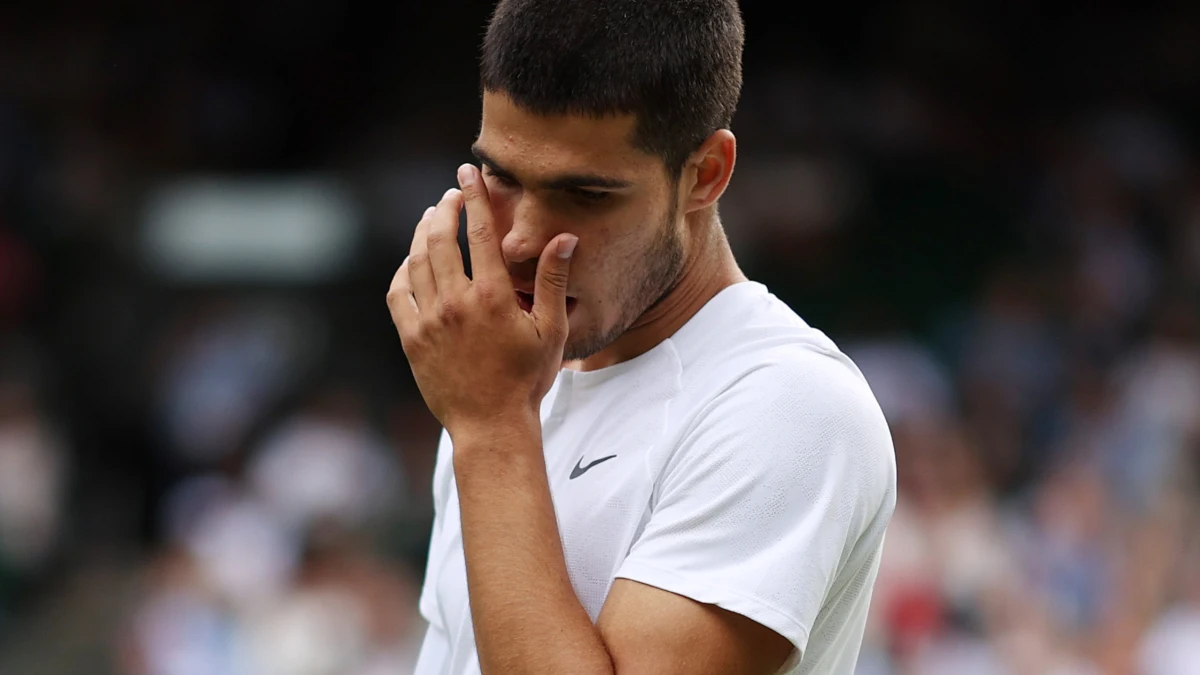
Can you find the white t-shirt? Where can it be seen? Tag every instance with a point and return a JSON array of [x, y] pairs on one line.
[[743, 462]]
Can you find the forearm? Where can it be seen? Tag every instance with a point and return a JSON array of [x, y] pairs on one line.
[[526, 615]]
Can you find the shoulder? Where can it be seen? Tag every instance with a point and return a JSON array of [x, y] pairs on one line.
[[784, 456], [792, 414], [792, 388], [748, 347]]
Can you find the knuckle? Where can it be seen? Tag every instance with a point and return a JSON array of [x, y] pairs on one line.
[[411, 342], [437, 237], [489, 291], [420, 332], [449, 311], [418, 259], [481, 228]]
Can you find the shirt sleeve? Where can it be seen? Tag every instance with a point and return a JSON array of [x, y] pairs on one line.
[[435, 652], [768, 493], [442, 476]]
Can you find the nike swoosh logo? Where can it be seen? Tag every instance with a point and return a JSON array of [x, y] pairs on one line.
[[580, 470]]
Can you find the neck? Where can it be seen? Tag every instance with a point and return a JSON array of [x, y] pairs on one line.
[[709, 270]]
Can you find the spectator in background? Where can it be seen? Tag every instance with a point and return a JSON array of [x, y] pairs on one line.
[[1009, 367], [328, 463], [282, 585], [346, 614], [1172, 644], [1158, 408], [225, 364], [34, 472]]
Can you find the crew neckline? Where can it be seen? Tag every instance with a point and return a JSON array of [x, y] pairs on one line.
[[591, 378]]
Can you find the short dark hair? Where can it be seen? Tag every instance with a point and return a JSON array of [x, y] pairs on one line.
[[676, 65]]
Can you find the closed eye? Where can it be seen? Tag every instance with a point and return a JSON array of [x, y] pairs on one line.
[[505, 180], [591, 196]]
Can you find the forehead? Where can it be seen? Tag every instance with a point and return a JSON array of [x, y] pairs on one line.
[[544, 145]]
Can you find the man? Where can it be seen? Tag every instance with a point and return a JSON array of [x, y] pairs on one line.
[[650, 465]]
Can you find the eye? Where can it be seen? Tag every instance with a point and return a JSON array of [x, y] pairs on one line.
[[505, 181], [589, 196]]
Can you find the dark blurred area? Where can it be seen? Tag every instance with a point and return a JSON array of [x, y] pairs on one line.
[[213, 460]]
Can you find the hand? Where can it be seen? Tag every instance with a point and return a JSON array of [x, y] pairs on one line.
[[477, 357]]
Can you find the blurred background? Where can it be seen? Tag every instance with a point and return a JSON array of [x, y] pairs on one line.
[[213, 460]]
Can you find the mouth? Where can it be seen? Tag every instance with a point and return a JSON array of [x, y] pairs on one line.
[[525, 300]]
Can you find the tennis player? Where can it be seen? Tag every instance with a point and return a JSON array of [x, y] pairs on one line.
[[650, 465]]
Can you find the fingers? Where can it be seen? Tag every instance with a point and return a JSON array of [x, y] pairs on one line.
[[420, 271], [435, 265], [401, 302], [442, 242], [487, 262], [550, 293]]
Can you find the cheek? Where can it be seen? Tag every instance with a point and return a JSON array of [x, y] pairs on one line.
[[611, 255]]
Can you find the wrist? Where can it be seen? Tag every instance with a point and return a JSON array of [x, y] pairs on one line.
[[503, 433]]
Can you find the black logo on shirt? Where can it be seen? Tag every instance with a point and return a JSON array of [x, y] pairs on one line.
[[580, 470]]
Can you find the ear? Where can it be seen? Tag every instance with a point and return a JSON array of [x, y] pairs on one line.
[[707, 172]]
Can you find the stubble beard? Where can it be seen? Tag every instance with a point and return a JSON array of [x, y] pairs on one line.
[[662, 266]]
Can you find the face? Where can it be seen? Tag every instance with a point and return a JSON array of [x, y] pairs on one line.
[[549, 175]]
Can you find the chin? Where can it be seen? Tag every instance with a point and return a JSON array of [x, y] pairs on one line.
[[585, 341], [577, 345]]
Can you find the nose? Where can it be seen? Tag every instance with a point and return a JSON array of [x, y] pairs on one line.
[[531, 229]]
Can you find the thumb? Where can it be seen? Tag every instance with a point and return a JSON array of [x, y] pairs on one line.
[[550, 291]]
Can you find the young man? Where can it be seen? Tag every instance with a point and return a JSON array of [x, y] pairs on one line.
[[650, 465]]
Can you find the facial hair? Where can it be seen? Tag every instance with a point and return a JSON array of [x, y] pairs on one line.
[[660, 268]]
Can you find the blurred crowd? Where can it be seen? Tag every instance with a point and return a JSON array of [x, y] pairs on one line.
[[995, 211]]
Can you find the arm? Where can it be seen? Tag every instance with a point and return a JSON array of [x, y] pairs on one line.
[[527, 618], [526, 615]]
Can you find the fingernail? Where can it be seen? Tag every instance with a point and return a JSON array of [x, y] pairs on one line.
[[466, 175], [566, 247]]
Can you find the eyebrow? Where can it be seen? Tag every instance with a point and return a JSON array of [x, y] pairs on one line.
[[560, 182]]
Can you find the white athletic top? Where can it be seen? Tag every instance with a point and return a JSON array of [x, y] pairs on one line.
[[742, 462]]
